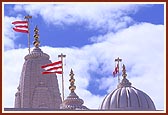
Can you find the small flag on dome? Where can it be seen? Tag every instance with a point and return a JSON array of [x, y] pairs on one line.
[[52, 68], [116, 70], [21, 26]]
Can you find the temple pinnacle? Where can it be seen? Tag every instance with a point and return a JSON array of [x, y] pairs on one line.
[[72, 87], [36, 37], [124, 71]]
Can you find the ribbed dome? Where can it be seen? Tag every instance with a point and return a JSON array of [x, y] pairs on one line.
[[127, 98]]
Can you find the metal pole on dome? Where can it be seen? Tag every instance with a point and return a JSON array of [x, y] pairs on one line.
[[118, 60], [62, 56], [27, 19]]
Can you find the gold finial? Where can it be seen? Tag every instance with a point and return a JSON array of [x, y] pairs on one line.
[[124, 71], [36, 37], [72, 87]]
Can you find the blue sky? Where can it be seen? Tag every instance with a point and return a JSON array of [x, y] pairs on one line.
[[92, 36]]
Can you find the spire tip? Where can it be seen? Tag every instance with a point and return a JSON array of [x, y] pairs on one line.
[[36, 37], [72, 87], [124, 71]]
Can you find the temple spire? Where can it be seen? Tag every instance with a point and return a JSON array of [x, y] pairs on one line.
[[36, 42], [72, 87]]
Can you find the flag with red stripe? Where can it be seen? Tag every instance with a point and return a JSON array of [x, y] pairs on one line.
[[21, 26], [47, 72], [55, 67], [116, 70], [51, 64]]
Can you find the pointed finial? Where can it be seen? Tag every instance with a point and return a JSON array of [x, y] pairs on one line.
[[72, 87], [124, 71], [36, 37]]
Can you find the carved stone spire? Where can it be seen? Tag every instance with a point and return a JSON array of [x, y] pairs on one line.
[[36, 42], [36, 90]]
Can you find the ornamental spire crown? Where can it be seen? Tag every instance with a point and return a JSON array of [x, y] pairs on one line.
[[36, 42], [124, 71], [72, 87], [125, 82]]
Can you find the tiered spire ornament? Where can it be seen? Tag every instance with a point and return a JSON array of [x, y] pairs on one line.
[[124, 72], [36, 42], [72, 87], [125, 82]]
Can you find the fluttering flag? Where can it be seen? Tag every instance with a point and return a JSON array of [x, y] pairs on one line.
[[47, 72], [116, 70], [21, 26], [53, 68]]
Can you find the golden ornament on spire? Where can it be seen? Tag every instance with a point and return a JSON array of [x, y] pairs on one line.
[[72, 87], [124, 71], [36, 37]]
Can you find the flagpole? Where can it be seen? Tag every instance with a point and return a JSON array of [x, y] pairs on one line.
[[118, 73], [118, 60], [27, 18], [62, 56]]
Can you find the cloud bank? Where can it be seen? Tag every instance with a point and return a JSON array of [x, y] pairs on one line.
[[94, 16], [142, 54], [140, 45]]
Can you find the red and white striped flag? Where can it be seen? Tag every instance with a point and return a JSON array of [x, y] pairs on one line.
[[21, 26], [53, 68], [116, 70]]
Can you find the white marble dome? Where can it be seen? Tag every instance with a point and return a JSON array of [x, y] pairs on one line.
[[127, 98]]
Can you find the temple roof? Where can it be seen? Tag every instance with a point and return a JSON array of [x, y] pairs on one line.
[[127, 98]]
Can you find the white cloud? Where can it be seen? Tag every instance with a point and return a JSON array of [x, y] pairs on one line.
[[12, 66], [94, 16], [8, 34], [140, 46]]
